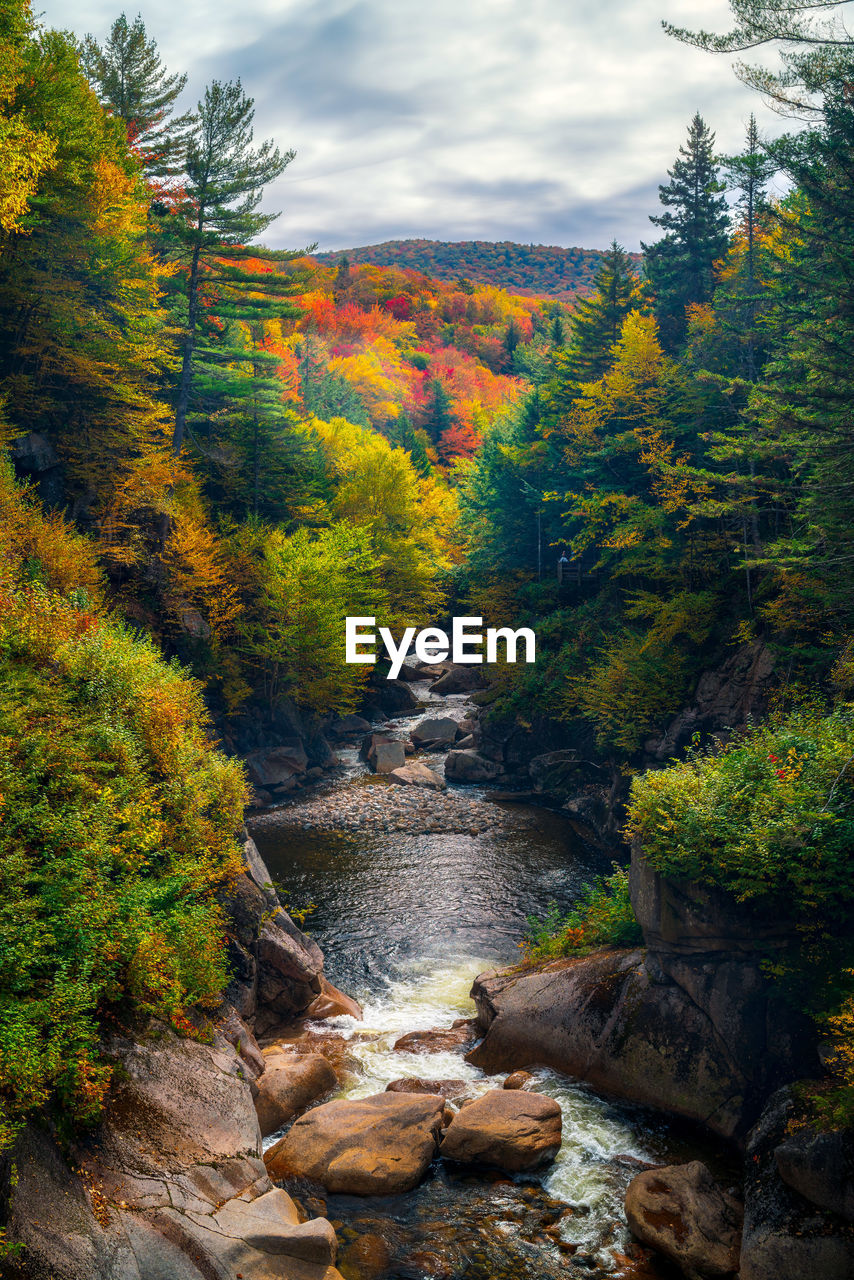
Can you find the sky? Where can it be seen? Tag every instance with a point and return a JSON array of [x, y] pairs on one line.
[[538, 121]]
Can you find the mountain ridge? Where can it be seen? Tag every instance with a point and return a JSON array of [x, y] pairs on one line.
[[537, 270]]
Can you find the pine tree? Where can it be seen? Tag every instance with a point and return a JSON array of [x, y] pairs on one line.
[[437, 416], [680, 266], [815, 51], [598, 320], [130, 79], [216, 219]]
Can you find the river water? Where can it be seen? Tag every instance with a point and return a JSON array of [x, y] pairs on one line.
[[406, 921]]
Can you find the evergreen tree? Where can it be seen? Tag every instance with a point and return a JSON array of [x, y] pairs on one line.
[[218, 216], [598, 320], [130, 79], [815, 51], [680, 266], [437, 416]]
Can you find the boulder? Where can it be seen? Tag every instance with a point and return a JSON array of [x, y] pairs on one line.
[[681, 1212], [394, 696], [466, 743], [786, 1237], [435, 729], [416, 1084], [554, 771], [438, 1039], [388, 756], [278, 765], [170, 1185], [603, 1019], [332, 1003], [417, 774], [517, 1080], [290, 1082], [469, 766], [381, 1145], [512, 1131], [411, 673], [289, 966], [820, 1167], [460, 679], [349, 727]]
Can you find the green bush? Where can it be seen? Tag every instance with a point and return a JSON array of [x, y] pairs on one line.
[[602, 917], [769, 816], [117, 826]]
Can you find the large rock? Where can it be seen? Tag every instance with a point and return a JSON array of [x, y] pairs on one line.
[[350, 727], [416, 1084], [170, 1187], [469, 766], [379, 1145], [332, 1003], [388, 756], [681, 1212], [508, 1130], [417, 774], [289, 966], [439, 730], [786, 1237], [820, 1167], [394, 696], [602, 1018], [278, 765], [459, 680], [290, 1082]]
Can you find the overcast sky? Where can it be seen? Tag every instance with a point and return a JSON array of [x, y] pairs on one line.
[[544, 121]]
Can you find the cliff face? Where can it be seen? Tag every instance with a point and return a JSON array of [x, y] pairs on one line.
[[690, 1024], [172, 1183]]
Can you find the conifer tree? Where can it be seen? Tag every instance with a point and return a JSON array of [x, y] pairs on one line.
[[598, 320], [217, 217], [680, 265], [130, 79]]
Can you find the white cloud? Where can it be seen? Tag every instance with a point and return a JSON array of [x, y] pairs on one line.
[[457, 120]]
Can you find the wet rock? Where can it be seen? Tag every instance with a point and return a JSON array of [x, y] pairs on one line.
[[332, 1003], [368, 1257], [411, 673], [602, 1019], [786, 1237], [394, 696], [379, 1145], [388, 756], [170, 1185], [349, 727], [289, 1083], [459, 679], [440, 730], [469, 766], [517, 1080], [438, 1039], [278, 765], [513, 1131], [680, 1211], [417, 774], [466, 743], [416, 1084], [820, 1167]]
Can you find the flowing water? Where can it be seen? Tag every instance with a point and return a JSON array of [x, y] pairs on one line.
[[406, 921]]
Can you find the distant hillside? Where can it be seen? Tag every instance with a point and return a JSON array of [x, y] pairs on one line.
[[537, 269]]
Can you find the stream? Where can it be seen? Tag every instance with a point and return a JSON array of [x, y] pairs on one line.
[[406, 918]]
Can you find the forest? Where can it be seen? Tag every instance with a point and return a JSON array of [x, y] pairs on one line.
[[215, 452], [534, 270]]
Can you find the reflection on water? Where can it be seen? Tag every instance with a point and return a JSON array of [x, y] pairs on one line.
[[406, 922]]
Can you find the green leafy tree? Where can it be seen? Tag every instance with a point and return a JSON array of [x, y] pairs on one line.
[[680, 265]]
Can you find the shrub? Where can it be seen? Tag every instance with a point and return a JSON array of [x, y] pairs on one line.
[[117, 824], [602, 917]]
